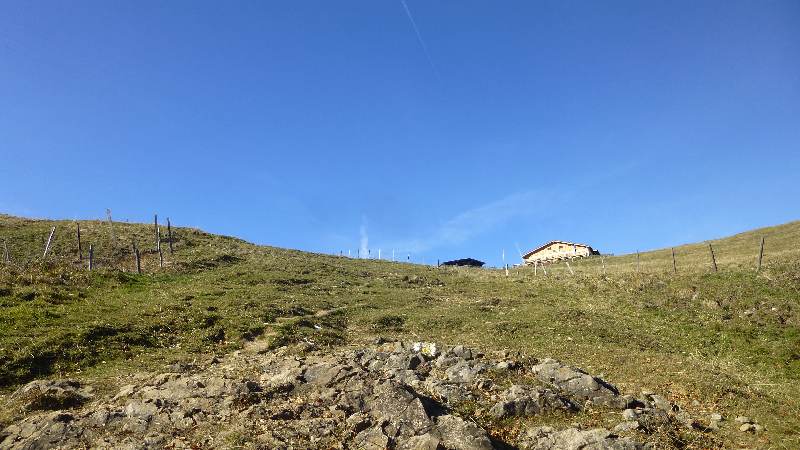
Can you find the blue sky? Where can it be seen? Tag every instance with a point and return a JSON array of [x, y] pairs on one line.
[[314, 124]]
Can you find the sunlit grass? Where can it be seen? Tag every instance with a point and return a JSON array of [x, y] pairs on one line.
[[723, 342]]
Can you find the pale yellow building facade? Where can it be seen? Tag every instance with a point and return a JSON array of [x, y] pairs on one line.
[[557, 251]]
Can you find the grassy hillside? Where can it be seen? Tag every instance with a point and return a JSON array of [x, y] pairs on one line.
[[724, 342], [735, 253]]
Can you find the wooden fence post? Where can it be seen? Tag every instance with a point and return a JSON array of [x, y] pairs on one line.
[[674, 265], [80, 249], [160, 258], [6, 256], [111, 228], [713, 258], [155, 230], [637, 261], [158, 239], [535, 268], [760, 254], [138, 260], [91, 257], [49, 240], [169, 235]]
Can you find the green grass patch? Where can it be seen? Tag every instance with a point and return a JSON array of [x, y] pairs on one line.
[[725, 342]]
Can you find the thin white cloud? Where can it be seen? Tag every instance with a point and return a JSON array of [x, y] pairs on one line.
[[482, 219], [542, 204]]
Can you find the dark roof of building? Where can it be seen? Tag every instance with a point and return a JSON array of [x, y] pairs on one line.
[[464, 262]]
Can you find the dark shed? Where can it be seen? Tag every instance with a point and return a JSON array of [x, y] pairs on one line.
[[469, 262]]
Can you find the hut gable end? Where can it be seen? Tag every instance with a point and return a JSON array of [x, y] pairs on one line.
[[558, 250]]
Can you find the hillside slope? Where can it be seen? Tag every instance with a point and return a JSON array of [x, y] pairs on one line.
[[726, 342], [735, 253]]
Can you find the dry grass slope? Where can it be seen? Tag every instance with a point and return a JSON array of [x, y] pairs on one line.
[[725, 342]]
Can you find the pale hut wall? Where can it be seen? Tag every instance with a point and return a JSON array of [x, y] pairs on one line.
[[558, 250]]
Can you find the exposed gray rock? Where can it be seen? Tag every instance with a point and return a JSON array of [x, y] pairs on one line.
[[325, 374], [547, 438], [465, 371], [427, 441], [372, 438], [461, 352], [652, 419], [459, 434], [684, 418], [507, 365], [578, 385], [389, 395], [626, 426], [630, 414], [284, 376], [661, 403], [523, 400], [446, 360], [403, 361], [446, 392], [401, 409], [51, 395]]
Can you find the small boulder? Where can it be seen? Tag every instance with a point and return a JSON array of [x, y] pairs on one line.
[[521, 400], [661, 403], [652, 419], [507, 365], [372, 438], [425, 441], [547, 438], [626, 426], [325, 374], [462, 352], [465, 371], [459, 434], [400, 408], [630, 414], [51, 395], [579, 385]]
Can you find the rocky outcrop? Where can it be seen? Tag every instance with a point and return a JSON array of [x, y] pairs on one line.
[[547, 438], [51, 395], [521, 400], [386, 395], [579, 385]]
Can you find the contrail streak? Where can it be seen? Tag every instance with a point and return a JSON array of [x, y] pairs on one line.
[[421, 41]]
